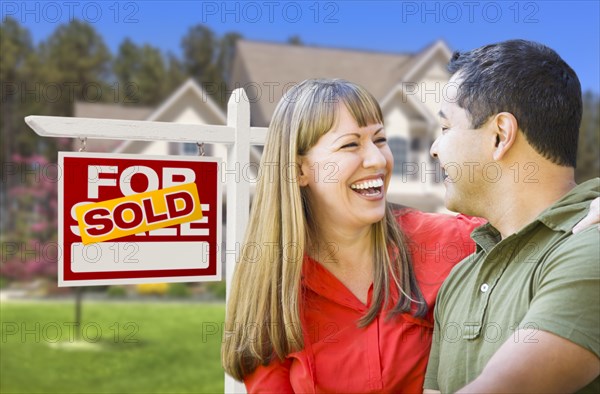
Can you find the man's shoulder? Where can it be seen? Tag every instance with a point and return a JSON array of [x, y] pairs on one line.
[[580, 251]]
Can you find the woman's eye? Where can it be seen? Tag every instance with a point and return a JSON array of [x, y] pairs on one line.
[[350, 145], [382, 140]]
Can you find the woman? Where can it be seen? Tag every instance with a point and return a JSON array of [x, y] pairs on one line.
[[334, 290]]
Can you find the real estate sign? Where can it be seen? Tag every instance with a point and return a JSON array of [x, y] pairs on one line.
[[126, 219]]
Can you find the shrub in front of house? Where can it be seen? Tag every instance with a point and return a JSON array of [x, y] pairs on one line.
[[152, 288], [116, 292], [179, 290], [217, 289]]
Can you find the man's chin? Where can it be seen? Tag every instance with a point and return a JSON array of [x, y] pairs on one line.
[[451, 204]]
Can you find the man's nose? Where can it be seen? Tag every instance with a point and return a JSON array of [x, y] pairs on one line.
[[433, 151]]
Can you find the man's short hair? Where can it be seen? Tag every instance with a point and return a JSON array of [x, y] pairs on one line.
[[532, 82]]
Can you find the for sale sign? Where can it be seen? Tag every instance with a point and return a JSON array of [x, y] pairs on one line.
[[127, 219]]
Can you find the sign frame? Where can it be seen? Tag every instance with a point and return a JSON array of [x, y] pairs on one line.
[[136, 280]]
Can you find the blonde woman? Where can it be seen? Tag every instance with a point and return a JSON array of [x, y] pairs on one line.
[[334, 289]]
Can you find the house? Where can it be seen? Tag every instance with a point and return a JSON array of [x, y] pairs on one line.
[[188, 104], [408, 87]]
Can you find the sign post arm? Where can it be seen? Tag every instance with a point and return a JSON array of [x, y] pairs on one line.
[[139, 130]]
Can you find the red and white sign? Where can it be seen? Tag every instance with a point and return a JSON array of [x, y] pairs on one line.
[[126, 219]]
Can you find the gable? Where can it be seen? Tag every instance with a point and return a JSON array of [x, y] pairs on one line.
[[188, 108], [403, 118]]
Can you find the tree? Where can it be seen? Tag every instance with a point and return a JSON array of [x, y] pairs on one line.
[[34, 205], [48, 79], [76, 57], [176, 74], [21, 96], [141, 74], [588, 149], [199, 53], [226, 53], [208, 59], [16, 47], [295, 40], [126, 63]]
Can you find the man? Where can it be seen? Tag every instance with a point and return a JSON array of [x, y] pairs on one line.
[[522, 314]]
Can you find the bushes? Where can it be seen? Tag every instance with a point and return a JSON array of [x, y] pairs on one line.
[[179, 290], [116, 291], [176, 290], [217, 289], [199, 291], [152, 288]]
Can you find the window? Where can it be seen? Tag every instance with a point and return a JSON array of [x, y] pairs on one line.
[[189, 149], [399, 147], [415, 144]]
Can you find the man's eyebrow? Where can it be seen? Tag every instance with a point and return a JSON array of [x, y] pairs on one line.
[[442, 114]]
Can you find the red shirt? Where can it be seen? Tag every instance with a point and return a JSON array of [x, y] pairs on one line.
[[385, 356]]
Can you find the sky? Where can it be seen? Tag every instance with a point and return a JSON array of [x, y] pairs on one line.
[[572, 28]]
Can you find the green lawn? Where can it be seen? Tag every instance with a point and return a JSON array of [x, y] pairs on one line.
[[126, 348]]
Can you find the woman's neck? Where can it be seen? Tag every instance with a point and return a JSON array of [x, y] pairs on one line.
[[348, 256]]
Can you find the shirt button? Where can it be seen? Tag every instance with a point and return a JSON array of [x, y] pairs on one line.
[[484, 287]]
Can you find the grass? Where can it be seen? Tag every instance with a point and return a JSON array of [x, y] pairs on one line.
[[127, 348]]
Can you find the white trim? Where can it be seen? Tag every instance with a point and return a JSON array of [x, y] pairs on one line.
[[418, 105], [190, 84], [439, 45]]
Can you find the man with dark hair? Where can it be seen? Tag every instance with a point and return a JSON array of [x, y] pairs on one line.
[[522, 314]]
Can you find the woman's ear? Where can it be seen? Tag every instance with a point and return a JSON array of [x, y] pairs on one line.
[[303, 171], [506, 128]]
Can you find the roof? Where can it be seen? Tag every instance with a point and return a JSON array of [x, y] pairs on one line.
[[108, 111], [202, 99], [270, 69], [111, 111]]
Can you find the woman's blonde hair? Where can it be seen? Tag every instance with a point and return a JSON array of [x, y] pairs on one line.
[[263, 314]]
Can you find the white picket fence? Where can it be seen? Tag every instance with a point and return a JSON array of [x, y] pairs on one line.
[[237, 135]]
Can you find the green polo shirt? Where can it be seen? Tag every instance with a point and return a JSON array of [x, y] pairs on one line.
[[543, 277]]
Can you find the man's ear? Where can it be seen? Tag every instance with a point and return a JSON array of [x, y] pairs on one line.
[[506, 128], [303, 171]]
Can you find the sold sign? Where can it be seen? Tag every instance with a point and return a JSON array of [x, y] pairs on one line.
[[123, 216], [127, 219]]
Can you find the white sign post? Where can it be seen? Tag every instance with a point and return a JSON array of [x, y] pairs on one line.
[[237, 135]]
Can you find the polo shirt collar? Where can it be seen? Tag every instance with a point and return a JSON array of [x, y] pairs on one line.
[[572, 207], [486, 237], [561, 216]]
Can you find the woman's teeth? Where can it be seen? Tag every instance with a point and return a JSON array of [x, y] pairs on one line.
[[368, 188], [367, 184]]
